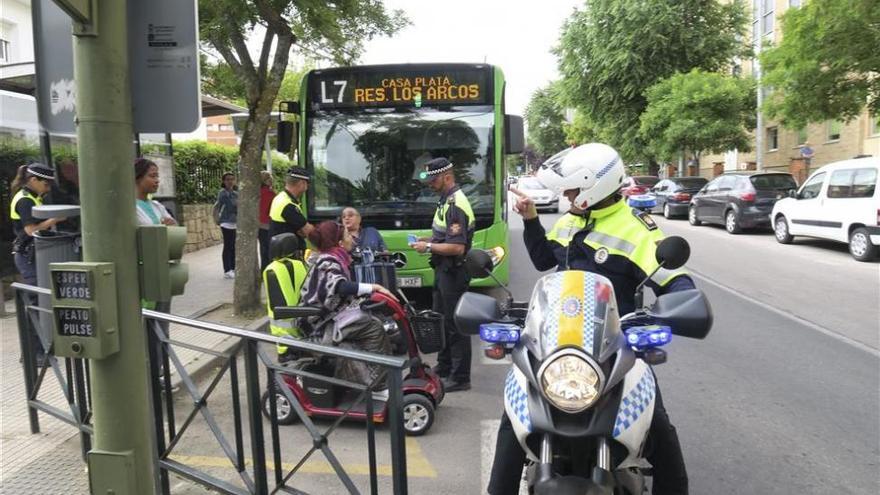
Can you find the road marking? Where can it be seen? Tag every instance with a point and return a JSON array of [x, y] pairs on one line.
[[807, 323], [417, 465]]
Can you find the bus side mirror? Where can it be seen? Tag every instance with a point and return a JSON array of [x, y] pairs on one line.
[[514, 141], [286, 131]]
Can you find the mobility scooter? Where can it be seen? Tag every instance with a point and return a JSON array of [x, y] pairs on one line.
[[422, 388]]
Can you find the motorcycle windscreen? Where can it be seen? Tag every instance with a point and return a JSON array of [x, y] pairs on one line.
[[573, 308]]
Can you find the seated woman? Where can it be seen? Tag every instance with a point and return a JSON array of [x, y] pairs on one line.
[[363, 237], [329, 285]]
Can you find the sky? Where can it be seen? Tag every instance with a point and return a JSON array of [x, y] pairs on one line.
[[514, 35]]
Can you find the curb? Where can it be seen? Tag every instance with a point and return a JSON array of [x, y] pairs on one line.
[[199, 368]]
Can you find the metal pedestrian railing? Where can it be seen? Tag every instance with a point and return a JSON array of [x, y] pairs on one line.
[[248, 459], [38, 361]]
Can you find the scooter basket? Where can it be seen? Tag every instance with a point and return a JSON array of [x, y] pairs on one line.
[[429, 330]]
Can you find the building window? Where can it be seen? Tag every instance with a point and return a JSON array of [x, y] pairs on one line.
[[772, 138], [767, 15], [225, 127], [4, 50], [834, 127], [875, 125], [801, 135]]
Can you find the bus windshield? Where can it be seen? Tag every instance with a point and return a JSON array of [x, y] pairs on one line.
[[371, 159]]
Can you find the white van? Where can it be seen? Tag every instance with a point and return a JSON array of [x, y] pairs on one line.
[[841, 202]]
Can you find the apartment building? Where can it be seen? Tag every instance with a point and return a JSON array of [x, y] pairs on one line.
[[781, 147]]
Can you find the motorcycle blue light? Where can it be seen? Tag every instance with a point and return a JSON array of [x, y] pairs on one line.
[[500, 333], [646, 337]]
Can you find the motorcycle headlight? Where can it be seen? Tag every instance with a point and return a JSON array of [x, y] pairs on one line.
[[570, 383]]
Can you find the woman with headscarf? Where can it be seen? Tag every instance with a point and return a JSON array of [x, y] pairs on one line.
[[329, 286]]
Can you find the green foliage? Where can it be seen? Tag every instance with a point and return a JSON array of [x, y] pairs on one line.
[[582, 130], [827, 65], [544, 116], [198, 168], [611, 51], [698, 111]]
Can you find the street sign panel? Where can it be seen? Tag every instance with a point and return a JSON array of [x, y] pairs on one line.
[[164, 66], [164, 58], [53, 49]]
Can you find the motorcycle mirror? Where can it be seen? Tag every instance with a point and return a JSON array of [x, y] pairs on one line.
[[686, 312], [478, 263], [673, 252]]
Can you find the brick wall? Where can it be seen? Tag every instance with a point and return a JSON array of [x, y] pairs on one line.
[[200, 229]]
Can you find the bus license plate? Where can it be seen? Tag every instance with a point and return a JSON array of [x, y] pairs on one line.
[[409, 281]]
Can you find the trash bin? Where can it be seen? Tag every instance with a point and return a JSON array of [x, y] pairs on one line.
[[53, 247]]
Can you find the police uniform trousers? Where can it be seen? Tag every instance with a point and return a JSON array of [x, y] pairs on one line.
[[450, 284], [663, 452]]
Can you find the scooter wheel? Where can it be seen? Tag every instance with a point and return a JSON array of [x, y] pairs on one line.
[[286, 414], [418, 414]]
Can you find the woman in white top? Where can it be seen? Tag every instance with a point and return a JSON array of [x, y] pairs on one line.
[[146, 180]]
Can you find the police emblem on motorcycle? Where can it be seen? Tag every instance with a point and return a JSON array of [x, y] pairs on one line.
[[571, 306], [601, 255]]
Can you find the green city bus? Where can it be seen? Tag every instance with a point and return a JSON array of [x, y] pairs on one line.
[[365, 133]]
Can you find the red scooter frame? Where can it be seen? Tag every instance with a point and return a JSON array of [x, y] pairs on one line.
[[422, 387]]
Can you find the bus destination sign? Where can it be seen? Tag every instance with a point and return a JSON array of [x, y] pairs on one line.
[[74, 322], [349, 88], [71, 284]]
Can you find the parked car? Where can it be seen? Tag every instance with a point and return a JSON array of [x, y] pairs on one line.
[[740, 200], [634, 186], [674, 195], [840, 202], [544, 198]]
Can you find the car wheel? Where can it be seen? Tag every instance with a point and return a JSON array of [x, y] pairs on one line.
[[780, 230], [667, 213], [731, 223], [418, 414], [692, 216], [860, 246], [286, 414]]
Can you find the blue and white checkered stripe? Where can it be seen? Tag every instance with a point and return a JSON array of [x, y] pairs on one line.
[[607, 168], [635, 402], [552, 289], [516, 400], [589, 308]]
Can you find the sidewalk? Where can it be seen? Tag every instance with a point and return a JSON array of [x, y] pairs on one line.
[[50, 461]]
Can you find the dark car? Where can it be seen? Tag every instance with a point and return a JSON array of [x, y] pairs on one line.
[[674, 195], [633, 186], [740, 200]]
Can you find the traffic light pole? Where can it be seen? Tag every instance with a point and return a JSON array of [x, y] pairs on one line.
[[123, 456]]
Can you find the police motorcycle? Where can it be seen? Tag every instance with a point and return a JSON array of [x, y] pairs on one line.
[[580, 392]]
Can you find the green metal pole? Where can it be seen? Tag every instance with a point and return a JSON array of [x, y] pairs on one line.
[[120, 392]]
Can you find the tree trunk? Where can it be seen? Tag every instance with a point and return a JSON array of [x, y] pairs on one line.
[[246, 294]]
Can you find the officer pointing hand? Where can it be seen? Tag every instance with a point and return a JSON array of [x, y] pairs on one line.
[[524, 205]]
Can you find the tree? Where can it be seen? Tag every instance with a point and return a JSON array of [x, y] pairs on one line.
[[545, 119], [334, 31], [827, 65], [581, 130], [698, 111], [611, 51]]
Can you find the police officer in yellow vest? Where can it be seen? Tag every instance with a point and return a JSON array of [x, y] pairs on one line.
[[30, 185], [282, 280], [285, 213], [451, 234], [619, 243]]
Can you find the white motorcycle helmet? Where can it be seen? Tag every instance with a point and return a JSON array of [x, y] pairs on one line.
[[595, 168]]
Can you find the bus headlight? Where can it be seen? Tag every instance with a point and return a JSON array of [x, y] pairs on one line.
[[570, 383], [496, 254]]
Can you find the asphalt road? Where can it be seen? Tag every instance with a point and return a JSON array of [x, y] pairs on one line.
[[783, 397]]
